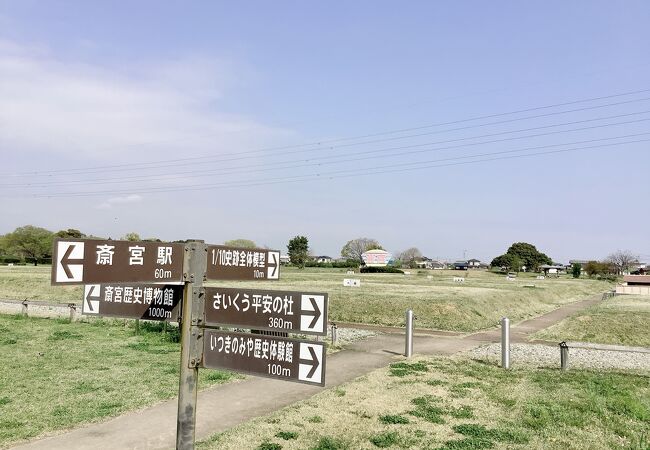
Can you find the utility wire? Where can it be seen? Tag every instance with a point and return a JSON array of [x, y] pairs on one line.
[[202, 159], [340, 158], [392, 168]]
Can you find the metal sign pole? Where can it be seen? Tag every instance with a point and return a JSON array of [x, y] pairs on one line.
[[194, 272]]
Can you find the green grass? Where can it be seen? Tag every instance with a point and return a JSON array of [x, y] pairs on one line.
[[522, 408], [382, 298], [33, 283], [286, 435], [385, 439], [56, 375], [394, 419], [620, 320]]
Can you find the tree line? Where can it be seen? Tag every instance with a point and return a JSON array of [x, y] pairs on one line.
[[31, 244]]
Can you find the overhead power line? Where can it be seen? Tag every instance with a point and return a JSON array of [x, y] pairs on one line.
[[327, 160], [319, 144], [392, 168]]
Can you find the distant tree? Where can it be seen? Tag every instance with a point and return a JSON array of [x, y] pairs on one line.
[[69, 233], [508, 261], [576, 270], [298, 249], [592, 268], [596, 268], [3, 246], [622, 260], [501, 261], [131, 237], [245, 243], [409, 257], [528, 255], [29, 242], [356, 247]]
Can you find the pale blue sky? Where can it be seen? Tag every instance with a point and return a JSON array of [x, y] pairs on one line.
[[86, 85]]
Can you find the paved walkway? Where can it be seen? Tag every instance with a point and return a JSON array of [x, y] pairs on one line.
[[225, 406]]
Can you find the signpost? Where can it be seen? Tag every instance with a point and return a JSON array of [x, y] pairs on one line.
[[163, 281], [293, 312], [85, 261], [238, 263], [265, 356], [133, 301]]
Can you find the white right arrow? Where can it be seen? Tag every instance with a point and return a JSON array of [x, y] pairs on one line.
[[273, 270]]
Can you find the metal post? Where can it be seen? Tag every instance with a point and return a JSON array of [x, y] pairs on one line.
[[505, 343], [335, 334], [73, 309], [409, 334], [194, 272], [564, 356], [24, 308]]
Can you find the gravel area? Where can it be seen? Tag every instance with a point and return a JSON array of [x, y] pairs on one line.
[[549, 356], [349, 335]]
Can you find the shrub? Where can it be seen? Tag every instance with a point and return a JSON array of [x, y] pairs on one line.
[[9, 260], [576, 270]]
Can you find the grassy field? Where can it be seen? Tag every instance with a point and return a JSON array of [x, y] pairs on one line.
[[56, 375], [623, 320], [459, 404], [33, 283], [438, 301]]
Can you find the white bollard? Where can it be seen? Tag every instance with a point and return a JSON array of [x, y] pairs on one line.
[[505, 343], [409, 334]]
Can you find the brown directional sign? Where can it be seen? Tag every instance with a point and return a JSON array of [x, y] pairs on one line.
[[135, 301], [265, 356], [85, 261], [296, 312], [236, 263]]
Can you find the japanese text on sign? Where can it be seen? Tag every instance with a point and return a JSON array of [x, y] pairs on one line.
[[258, 348], [261, 309], [85, 261], [265, 304], [236, 258], [233, 263], [138, 301]]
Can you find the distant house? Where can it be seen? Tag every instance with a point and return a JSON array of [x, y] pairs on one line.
[[284, 259], [323, 259], [635, 284], [639, 268], [583, 264], [552, 269], [376, 258], [426, 263], [476, 264]]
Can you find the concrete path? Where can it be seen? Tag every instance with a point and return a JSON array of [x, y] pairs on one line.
[[225, 406], [522, 330]]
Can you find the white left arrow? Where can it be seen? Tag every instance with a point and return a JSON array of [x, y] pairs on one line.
[[91, 299]]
